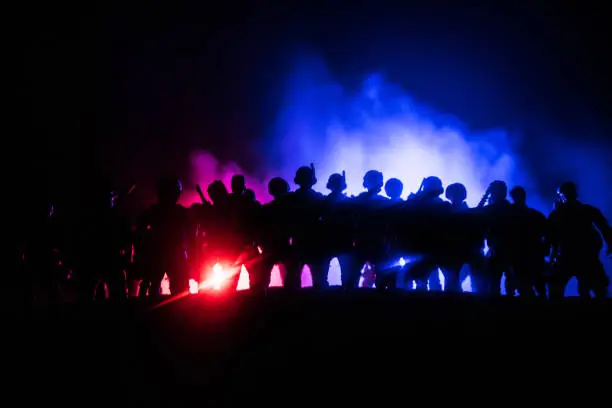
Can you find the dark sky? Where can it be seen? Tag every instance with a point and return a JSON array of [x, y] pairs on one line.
[[132, 88]]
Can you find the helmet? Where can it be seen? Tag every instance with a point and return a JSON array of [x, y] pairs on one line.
[[456, 193], [394, 188], [433, 184], [336, 182], [305, 177], [519, 195], [568, 190], [278, 186], [373, 180]]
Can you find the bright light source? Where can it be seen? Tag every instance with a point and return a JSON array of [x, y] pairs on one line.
[[217, 277], [193, 286], [485, 249], [402, 262]]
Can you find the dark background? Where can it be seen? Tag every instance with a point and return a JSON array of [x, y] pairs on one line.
[[132, 88]]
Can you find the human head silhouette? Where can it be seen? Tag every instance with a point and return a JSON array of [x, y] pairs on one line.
[[456, 193], [373, 181], [305, 177], [217, 192], [238, 184], [498, 191], [336, 183], [518, 195], [568, 191], [394, 188], [278, 187]]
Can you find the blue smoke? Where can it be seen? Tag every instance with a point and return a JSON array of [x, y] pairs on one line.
[[380, 126]]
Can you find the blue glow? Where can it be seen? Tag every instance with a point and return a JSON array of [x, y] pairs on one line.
[[442, 280], [485, 249], [466, 285], [378, 125]]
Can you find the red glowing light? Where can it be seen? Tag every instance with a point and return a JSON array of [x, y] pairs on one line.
[[194, 287], [218, 277]]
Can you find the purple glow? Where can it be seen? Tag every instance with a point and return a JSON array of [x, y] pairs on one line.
[[380, 126]]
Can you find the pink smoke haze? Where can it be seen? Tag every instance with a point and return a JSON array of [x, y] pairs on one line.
[[377, 126], [206, 169], [380, 126]]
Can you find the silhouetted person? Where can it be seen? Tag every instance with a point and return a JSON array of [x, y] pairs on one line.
[[429, 192], [373, 182], [456, 193], [238, 185], [461, 249], [393, 252], [306, 231], [393, 189], [336, 184], [241, 222], [529, 246], [339, 230], [222, 245], [164, 229], [248, 214], [274, 233], [500, 235], [371, 246], [428, 207], [575, 233]]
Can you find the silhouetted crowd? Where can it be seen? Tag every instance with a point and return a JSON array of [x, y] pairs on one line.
[[380, 241]]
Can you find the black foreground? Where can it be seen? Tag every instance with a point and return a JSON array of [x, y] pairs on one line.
[[334, 348]]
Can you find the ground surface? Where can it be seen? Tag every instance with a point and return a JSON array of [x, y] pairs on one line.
[[234, 349]]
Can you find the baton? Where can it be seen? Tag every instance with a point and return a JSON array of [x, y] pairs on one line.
[[200, 193]]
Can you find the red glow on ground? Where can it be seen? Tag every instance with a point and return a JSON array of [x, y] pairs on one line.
[[220, 277]]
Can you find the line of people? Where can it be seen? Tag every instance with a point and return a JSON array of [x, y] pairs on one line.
[[537, 254]]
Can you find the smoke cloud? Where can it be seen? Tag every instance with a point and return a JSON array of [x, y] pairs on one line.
[[380, 126], [206, 169], [377, 127]]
